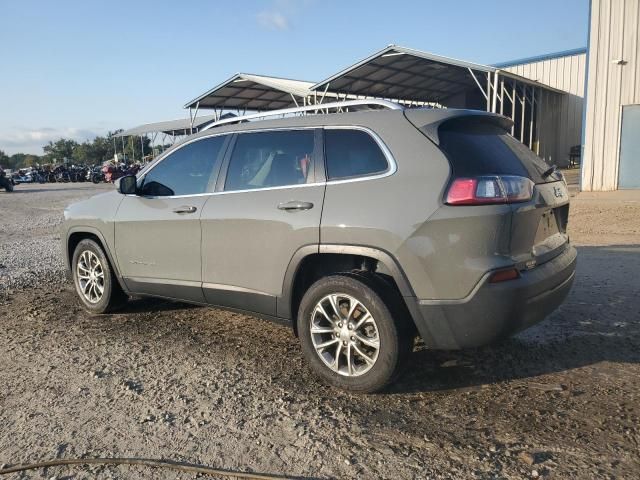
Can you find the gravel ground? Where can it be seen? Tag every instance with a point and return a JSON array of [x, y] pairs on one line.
[[165, 380], [29, 236]]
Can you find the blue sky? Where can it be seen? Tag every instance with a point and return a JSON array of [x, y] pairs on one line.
[[81, 68]]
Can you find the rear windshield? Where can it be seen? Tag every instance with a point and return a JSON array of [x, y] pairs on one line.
[[476, 148]]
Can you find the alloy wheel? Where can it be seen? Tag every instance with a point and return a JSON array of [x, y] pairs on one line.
[[90, 276], [345, 335]]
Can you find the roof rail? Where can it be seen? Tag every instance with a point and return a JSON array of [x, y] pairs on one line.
[[309, 108]]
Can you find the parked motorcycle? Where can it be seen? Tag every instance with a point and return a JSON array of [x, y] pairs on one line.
[[113, 172], [5, 182], [97, 176], [38, 175]]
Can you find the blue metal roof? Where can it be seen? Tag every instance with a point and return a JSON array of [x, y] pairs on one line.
[[540, 58]]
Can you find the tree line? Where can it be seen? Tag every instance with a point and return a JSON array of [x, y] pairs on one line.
[[92, 152]]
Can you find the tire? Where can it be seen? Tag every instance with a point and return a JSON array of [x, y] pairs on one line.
[[390, 326], [112, 296], [6, 184]]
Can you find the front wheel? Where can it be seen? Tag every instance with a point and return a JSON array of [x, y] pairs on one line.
[[6, 184], [95, 282], [351, 337]]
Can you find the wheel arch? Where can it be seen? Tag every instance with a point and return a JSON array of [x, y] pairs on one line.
[[78, 233], [312, 262]]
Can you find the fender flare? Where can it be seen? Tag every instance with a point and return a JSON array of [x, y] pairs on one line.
[[105, 246], [283, 306]]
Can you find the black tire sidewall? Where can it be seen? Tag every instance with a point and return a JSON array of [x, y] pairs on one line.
[[392, 342], [106, 301]]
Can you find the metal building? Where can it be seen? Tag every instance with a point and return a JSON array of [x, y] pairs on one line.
[[611, 157], [562, 122]]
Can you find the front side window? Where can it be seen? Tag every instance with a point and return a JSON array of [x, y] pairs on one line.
[[187, 171], [352, 153], [270, 159]]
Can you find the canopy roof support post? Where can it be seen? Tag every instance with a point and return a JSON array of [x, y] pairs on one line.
[[513, 109], [524, 106], [484, 94], [495, 93], [141, 149], [195, 114], [294, 100], [153, 142], [115, 150], [488, 96], [324, 93], [122, 138], [538, 117], [533, 109], [502, 96], [513, 105]]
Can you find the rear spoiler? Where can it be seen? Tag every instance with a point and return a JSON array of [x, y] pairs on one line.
[[429, 121]]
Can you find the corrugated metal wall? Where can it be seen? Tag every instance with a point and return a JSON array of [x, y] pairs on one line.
[[561, 116], [613, 81]]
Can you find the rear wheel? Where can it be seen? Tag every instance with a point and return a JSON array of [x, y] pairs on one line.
[[351, 337], [95, 282]]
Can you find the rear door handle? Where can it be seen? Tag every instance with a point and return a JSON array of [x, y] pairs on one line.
[[185, 209], [295, 205]]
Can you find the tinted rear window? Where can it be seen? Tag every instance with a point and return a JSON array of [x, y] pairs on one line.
[[475, 148], [352, 153]]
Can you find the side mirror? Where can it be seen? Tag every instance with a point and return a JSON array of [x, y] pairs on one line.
[[128, 185]]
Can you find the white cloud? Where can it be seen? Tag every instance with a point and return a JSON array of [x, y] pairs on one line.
[[23, 140], [273, 20]]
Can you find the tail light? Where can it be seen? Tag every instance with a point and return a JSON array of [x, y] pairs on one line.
[[488, 190]]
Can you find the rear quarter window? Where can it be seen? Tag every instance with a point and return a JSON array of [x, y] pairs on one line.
[[352, 153]]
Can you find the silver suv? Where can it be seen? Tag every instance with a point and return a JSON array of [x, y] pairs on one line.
[[361, 230]]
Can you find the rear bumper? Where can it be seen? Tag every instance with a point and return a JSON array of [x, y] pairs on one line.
[[495, 311]]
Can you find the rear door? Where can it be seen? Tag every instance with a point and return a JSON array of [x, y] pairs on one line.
[[267, 205], [157, 232]]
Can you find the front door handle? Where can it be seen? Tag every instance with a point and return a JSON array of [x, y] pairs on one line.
[[295, 205], [185, 209]]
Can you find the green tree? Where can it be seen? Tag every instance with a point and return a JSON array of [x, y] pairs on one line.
[[133, 148], [4, 160], [60, 150]]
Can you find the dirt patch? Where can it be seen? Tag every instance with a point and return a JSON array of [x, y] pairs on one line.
[[167, 380]]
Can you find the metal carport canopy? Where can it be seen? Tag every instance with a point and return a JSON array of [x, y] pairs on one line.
[[254, 92], [171, 127], [406, 74]]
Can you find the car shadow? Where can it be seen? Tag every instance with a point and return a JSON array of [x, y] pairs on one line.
[[598, 322], [154, 305]]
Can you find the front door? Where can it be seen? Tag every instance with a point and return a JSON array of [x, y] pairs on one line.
[[157, 232], [629, 173], [268, 206]]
